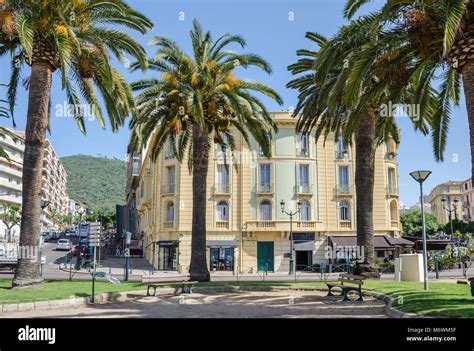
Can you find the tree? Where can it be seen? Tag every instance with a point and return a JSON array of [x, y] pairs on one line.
[[68, 36], [5, 113], [10, 216], [342, 90], [441, 35], [411, 223], [197, 102]]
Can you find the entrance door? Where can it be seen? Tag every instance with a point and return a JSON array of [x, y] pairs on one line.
[[168, 259], [304, 259], [265, 256]]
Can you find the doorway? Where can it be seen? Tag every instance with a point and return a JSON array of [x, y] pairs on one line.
[[265, 256], [303, 260]]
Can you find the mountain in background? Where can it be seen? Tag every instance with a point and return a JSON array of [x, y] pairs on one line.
[[97, 181]]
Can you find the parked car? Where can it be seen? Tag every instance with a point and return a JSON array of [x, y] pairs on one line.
[[63, 245]]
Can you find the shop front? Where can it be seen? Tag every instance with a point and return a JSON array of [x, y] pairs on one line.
[[222, 255], [168, 255], [304, 248]]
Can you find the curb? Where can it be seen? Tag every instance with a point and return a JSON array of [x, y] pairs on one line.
[[390, 311]]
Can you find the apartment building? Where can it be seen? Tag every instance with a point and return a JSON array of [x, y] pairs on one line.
[[246, 228], [446, 201], [54, 182], [468, 200]]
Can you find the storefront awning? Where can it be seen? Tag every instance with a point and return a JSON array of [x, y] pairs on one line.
[[304, 246], [351, 241], [226, 244], [167, 242]]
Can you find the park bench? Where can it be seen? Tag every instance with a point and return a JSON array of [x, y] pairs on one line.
[[155, 281], [353, 283]]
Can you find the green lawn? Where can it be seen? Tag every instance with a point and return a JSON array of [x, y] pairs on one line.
[[443, 299]]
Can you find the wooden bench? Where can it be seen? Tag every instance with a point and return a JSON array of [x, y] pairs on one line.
[[155, 281], [355, 284]]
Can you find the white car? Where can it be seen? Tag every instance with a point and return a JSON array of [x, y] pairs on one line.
[[64, 244]]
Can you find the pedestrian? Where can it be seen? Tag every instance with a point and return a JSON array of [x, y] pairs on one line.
[[117, 252]]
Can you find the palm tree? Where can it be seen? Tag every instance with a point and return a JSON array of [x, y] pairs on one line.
[[440, 33], [196, 102], [68, 36], [342, 89], [5, 113]]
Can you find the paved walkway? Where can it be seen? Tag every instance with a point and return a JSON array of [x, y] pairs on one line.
[[278, 304]]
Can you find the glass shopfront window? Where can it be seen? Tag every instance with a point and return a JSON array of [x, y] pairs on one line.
[[222, 259], [168, 258]]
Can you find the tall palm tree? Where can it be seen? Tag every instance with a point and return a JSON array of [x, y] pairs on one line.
[[343, 87], [69, 36], [196, 102], [440, 33]]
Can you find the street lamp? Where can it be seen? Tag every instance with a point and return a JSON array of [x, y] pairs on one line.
[[291, 214], [44, 203], [80, 210], [450, 210], [420, 177]]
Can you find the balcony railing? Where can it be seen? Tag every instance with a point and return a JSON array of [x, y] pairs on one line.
[[265, 188], [168, 224], [280, 226], [342, 155], [345, 224], [168, 189], [169, 155], [222, 224], [344, 189], [302, 152], [306, 224], [222, 189], [303, 189], [392, 190]]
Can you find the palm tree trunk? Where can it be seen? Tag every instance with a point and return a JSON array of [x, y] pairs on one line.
[[198, 267], [364, 183], [468, 83], [27, 273]]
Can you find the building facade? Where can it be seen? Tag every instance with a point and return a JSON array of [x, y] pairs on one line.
[[246, 229], [447, 196], [54, 180], [468, 200]]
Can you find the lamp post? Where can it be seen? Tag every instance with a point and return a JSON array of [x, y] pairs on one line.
[[80, 210], [420, 177], [450, 210], [44, 203], [291, 214]]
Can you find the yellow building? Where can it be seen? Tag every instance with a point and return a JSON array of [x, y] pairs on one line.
[[246, 229], [451, 192]]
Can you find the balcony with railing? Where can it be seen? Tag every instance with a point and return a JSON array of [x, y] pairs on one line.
[[280, 225], [222, 189], [222, 224], [344, 189], [302, 152], [168, 225], [342, 155], [168, 189], [265, 188], [304, 189], [346, 224]]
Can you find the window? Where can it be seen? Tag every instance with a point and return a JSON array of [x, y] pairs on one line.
[[269, 139], [303, 178], [305, 214], [342, 152], [393, 212], [171, 179], [170, 212], [223, 211], [344, 211], [265, 177], [303, 145], [169, 152], [392, 185], [344, 179], [222, 178], [266, 210]]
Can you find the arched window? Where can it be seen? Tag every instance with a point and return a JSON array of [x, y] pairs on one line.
[[170, 212], [266, 210], [344, 211], [222, 211], [305, 213]]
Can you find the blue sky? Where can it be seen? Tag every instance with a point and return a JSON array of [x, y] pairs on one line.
[[274, 29]]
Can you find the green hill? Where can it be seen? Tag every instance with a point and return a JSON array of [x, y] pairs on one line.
[[98, 181]]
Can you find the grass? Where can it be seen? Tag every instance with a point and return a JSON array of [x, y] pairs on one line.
[[442, 299]]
